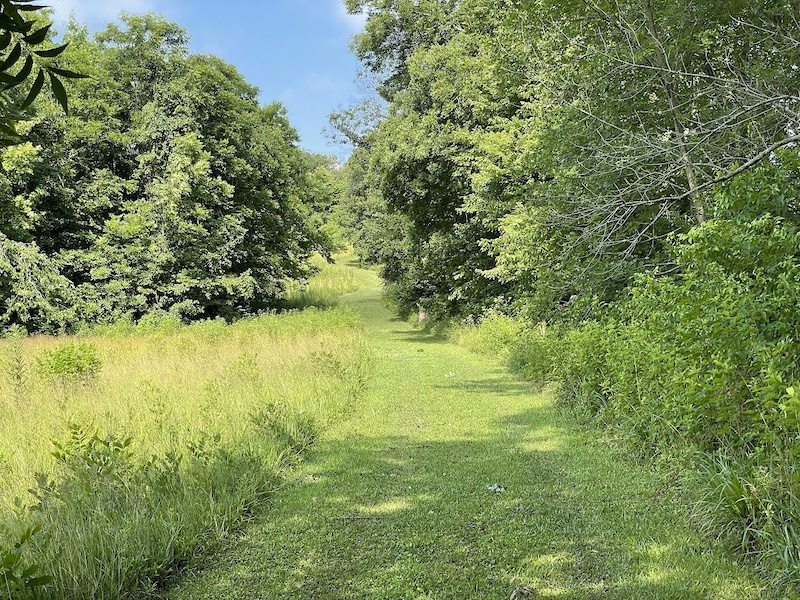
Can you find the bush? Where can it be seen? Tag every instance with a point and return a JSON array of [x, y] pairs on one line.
[[494, 335], [70, 362], [705, 359]]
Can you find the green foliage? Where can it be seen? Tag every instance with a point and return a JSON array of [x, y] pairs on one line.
[[499, 145], [22, 35], [754, 505], [185, 195], [35, 294], [20, 578], [494, 334], [93, 457], [16, 366], [70, 362], [625, 172], [704, 361]]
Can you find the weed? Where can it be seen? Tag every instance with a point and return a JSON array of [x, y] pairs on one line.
[[19, 577], [16, 367], [291, 429], [70, 363], [754, 504]]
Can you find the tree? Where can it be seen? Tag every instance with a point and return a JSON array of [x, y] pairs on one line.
[[168, 188], [652, 104], [572, 137]]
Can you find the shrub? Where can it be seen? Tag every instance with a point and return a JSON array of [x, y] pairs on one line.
[[494, 335], [70, 362], [705, 359], [533, 353]]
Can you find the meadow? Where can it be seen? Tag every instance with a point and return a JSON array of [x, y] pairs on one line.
[[130, 448]]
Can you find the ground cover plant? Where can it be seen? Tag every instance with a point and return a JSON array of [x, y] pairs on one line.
[[143, 444]]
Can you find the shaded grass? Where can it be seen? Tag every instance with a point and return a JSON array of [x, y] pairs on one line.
[[394, 502], [182, 433]]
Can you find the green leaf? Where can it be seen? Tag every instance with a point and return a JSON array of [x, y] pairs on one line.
[[66, 73], [7, 129], [10, 560], [35, 89], [59, 92], [8, 23], [51, 52], [38, 36], [12, 58], [30, 571], [23, 73], [5, 40]]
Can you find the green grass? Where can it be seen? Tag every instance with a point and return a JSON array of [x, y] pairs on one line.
[[393, 501], [325, 287], [168, 439]]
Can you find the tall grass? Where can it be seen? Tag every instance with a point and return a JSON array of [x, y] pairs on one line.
[[323, 290], [169, 441]]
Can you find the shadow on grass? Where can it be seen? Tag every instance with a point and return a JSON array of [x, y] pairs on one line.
[[396, 517], [391, 516], [416, 337], [489, 387]]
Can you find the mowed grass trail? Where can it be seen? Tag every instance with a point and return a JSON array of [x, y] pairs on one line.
[[395, 501]]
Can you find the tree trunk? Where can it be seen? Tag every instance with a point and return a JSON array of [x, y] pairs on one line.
[[668, 84]]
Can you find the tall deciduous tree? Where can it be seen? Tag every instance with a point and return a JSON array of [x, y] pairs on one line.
[[168, 188], [571, 137]]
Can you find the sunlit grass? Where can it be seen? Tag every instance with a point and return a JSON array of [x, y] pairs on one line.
[[213, 413], [400, 499], [324, 288]]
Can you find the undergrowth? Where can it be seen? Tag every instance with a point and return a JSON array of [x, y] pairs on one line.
[[137, 447], [699, 366]]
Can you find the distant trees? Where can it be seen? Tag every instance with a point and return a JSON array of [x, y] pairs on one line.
[[168, 188]]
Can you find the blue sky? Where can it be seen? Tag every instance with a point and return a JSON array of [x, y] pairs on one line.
[[295, 51]]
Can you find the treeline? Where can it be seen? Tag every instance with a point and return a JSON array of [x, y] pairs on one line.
[[167, 189], [612, 189]]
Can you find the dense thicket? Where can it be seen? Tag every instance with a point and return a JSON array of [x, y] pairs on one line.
[[626, 172], [168, 188]]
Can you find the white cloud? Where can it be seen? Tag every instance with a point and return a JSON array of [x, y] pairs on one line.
[[96, 13], [354, 23]]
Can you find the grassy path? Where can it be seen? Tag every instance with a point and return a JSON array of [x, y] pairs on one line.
[[393, 503]]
